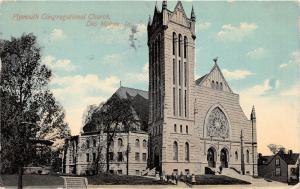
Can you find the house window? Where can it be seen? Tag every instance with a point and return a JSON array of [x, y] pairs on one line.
[[180, 128], [120, 156], [94, 156], [236, 155], [144, 143], [87, 143], [179, 45], [185, 104], [120, 142], [87, 157], [175, 151], [277, 161], [144, 157], [180, 103], [174, 102], [174, 43], [111, 156], [175, 128], [187, 151], [187, 129], [247, 156], [185, 47], [119, 172], [179, 72], [185, 74], [137, 156], [137, 143], [94, 142], [213, 84], [278, 171], [137, 172], [174, 72]]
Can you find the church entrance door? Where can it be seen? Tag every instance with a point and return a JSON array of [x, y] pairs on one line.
[[211, 157], [224, 158]]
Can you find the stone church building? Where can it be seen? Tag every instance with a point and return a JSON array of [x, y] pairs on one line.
[[194, 126]]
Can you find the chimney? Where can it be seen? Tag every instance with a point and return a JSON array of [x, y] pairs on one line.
[[290, 152]]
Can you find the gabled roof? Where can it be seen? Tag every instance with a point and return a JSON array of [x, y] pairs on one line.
[[179, 6], [290, 159], [125, 92], [216, 67]]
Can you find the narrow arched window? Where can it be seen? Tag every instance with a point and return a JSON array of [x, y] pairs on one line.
[[174, 43], [175, 151], [120, 142], [247, 156], [213, 84], [185, 47], [187, 151], [137, 143], [175, 128], [144, 143], [217, 85], [236, 155], [179, 44], [221, 86]]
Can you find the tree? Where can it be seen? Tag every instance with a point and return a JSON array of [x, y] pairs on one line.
[[114, 116], [274, 148], [28, 108]]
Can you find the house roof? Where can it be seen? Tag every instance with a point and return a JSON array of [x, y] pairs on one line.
[[290, 159], [198, 81], [139, 106]]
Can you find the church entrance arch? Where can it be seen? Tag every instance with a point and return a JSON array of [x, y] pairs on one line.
[[211, 157], [224, 158]]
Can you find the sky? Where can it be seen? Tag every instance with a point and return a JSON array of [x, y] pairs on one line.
[[92, 46]]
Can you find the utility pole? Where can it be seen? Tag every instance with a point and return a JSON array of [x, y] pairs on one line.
[[253, 121]]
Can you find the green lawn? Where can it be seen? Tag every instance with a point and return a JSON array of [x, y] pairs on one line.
[[33, 180], [217, 180], [111, 179]]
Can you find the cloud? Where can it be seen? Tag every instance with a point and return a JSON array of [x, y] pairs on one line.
[[235, 33], [283, 65], [140, 77], [236, 74], [56, 34], [257, 53], [58, 64], [294, 59], [203, 26], [276, 116], [77, 92]]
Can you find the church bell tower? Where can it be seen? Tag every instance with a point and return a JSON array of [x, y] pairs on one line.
[[171, 43]]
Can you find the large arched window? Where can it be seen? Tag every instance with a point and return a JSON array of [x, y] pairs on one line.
[[187, 151], [185, 47], [174, 43], [217, 124], [175, 151], [179, 44], [247, 156], [137, 143]]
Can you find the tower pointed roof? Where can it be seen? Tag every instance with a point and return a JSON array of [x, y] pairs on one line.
[[164, 4], [193, 16], [253, 115]]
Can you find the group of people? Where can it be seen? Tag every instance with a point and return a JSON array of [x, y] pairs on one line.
[[174, 177]]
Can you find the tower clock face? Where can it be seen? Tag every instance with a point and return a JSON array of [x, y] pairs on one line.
[[217, 125]]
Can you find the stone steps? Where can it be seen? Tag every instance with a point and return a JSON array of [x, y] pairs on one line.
[[75, 182]]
